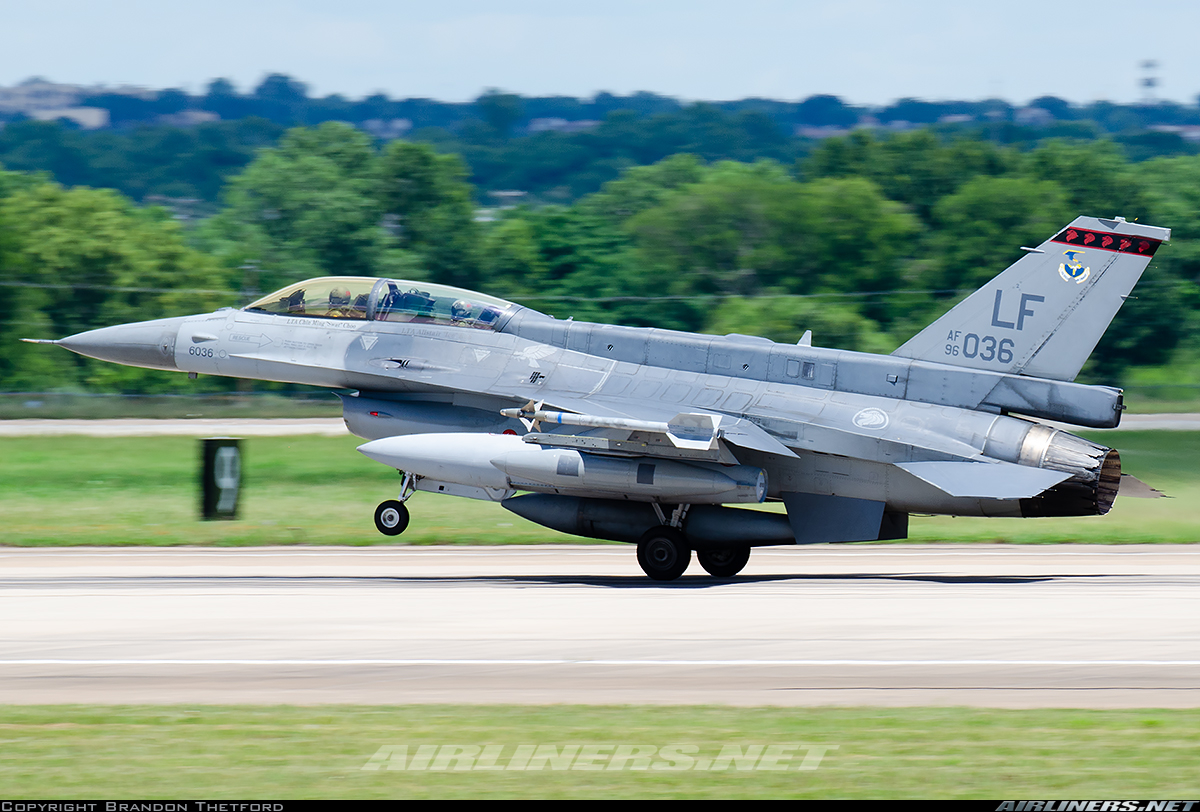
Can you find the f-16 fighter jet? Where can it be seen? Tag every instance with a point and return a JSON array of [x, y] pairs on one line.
[[647, 436]]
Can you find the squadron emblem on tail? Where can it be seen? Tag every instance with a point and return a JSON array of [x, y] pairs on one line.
[[1073, 270]]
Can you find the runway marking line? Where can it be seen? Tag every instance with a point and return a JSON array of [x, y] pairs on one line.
[[623, 550], [419, 661]]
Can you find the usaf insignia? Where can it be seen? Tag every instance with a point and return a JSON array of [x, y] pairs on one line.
[[1072, 270]]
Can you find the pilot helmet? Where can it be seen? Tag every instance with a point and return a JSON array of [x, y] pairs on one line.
[[339, 296], [460, 310]]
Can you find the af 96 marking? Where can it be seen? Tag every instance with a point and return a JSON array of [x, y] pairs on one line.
[[986, 348]]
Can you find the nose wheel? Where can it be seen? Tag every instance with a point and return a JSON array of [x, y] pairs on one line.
[[391, 517]]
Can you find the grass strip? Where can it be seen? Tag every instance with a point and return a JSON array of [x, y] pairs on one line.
[[60, 491], [178, 752]]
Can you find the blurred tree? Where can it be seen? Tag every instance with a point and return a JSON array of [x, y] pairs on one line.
[[512, 264], [717, 235], [1061, 109], [641, 187], [220, 89], [1163, 314], [826, 111], [916, 169], [500, 110], [78, 259], [785, 318], [310, 207], [914, 111], [428, 195], [282, 99], [1160, 313], [1094, 174], [746, 228], [980, 228], [590, 272]]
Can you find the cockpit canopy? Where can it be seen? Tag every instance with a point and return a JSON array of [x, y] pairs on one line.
[[369, 299]]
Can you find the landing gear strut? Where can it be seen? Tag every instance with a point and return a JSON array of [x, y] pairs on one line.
[[391, 517], [663, 553]]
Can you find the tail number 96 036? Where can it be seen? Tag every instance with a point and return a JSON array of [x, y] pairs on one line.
[[987, 348]]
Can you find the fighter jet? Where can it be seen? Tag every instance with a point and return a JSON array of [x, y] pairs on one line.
[[647, 436]]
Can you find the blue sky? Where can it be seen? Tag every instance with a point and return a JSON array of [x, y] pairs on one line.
[[866, 51]]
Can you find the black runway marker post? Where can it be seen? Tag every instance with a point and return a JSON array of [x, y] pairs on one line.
[[220, 477]]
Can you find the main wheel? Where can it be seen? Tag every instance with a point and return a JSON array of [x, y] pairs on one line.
[[725, 562], [663, 553], [391, 517]]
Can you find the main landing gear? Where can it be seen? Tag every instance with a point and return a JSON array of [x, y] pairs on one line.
[[725, 562], [391, 517], [664, 552]]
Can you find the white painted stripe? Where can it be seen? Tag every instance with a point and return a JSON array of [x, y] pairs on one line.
[[1009, 551], [417, 661], [251, 552], [196, 427]]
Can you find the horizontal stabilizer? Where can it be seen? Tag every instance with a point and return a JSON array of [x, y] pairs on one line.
[[1132, 486], [985, 480]]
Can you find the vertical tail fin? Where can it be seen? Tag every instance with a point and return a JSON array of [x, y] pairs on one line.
[[1046, 312]]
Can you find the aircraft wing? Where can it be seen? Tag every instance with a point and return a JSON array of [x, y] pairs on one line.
[[958, 478]]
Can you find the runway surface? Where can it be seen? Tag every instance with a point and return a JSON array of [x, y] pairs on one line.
[[984, 625]]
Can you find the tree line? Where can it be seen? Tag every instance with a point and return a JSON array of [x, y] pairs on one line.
[[576, 146], [864, 239]]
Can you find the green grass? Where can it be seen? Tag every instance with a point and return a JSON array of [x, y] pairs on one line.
[[289, 752], [296, 490], [319, 490]]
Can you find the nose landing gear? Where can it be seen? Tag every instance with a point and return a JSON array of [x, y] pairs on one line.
[[391, 517]]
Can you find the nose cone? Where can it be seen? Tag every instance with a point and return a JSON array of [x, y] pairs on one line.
[[149, 344]]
